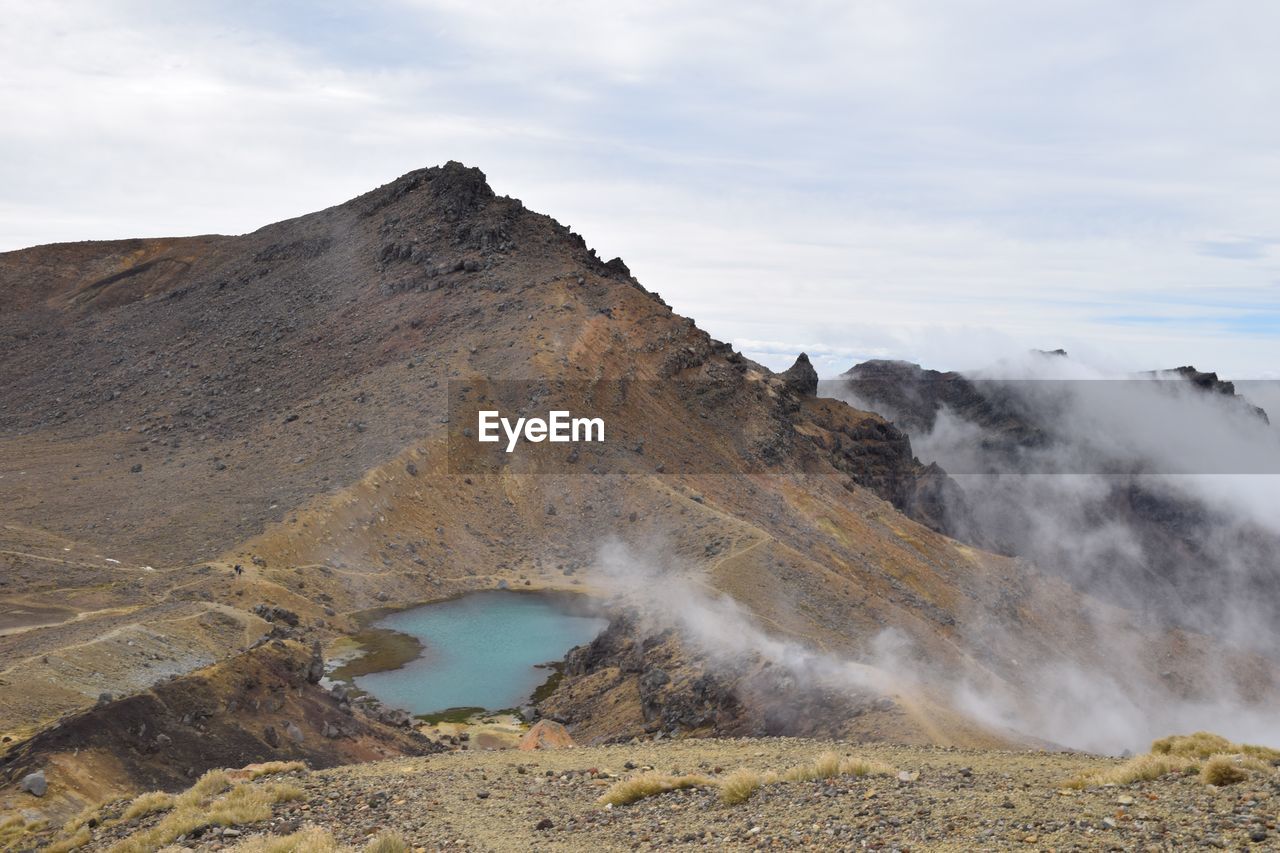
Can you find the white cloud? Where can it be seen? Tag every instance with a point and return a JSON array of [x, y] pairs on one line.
[[921, 179]]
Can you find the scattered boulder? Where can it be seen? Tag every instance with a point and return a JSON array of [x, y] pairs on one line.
[[295, 734], [315, 666], [546, 734], [274, 613], [34, 784]]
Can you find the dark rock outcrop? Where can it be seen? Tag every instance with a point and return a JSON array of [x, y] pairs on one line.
[[229, 715], [912, 397], [801, 377], [877, 456], [1210, 383], [681, 692]]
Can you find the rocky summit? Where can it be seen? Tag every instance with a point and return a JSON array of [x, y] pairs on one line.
[[223, 458]]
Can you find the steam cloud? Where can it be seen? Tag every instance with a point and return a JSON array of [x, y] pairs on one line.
[[1223, 581], [714, 624], [1178, 454]]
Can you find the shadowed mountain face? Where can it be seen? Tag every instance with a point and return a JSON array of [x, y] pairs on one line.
[[286, 401]]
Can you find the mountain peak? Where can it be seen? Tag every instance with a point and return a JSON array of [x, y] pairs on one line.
[[454, 189]]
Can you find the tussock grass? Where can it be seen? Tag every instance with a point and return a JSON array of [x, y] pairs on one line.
[[651, 784], [1264, 754], [74, 832], [740, 785], [828, 765], [1206, 745], [825, 766], [309, 839], [15, 827], [312, 839], [1199, 745], [85, 815], [1140, 768], [1222, 770], [212, 783], [270, 768], [1217, 760], [204, 804], [72, 841], [148, 803], [854, 766], [387, 842]]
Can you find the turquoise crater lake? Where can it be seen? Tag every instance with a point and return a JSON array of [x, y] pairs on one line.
[[480, 651]]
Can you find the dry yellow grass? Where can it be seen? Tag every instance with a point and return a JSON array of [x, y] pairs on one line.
[[75, 833], [270, 768], [86, 814], [829, 765], [825, 766], [650, 784], [739, 785], [213, 782], [1140, 768], [312, 839], [1206, 745], [1212, 756], [148, 803], [387, 842], [309, 839], [243, 804], [72, 841], [1197, 745], [14, 828], [854, 766], [1222, 770]]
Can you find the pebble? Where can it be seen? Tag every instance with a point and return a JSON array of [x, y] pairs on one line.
[[434, 803]]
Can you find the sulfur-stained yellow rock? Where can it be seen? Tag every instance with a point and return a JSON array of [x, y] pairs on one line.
[[547, 734]]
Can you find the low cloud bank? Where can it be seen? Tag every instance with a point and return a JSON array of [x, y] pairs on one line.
[[1191, 551]]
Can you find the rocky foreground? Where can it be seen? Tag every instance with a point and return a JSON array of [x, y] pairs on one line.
[[921, 798]]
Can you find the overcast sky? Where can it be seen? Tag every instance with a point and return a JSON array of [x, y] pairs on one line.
[[942, 181]]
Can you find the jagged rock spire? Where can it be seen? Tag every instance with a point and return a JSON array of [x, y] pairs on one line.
[[801, 377]]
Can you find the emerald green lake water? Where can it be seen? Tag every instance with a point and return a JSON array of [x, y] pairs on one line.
[[480, 651]]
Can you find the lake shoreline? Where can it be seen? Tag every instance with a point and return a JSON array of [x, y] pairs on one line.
[[378, 649]]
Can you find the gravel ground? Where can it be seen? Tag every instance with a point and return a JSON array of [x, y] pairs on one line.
[[962, 800]]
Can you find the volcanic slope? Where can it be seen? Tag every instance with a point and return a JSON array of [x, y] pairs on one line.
[[170, 408]]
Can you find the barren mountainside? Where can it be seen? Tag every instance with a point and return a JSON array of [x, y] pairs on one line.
[[284, 401]]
